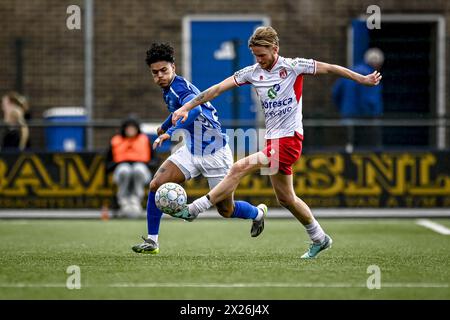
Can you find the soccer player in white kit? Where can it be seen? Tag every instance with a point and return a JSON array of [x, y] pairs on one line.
[[278, 83]]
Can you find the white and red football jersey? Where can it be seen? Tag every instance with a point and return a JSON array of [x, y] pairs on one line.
[[280, 92]]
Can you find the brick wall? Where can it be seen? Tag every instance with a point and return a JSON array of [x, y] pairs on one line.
[[53, 55]]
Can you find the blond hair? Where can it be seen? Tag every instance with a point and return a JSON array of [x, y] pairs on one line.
[[18, 100], [264, 37]]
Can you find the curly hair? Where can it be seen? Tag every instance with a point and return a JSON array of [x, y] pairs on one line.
[[160, 52]]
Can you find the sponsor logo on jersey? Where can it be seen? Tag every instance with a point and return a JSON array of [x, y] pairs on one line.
[[272, 92], [279, 103], [277, 113]]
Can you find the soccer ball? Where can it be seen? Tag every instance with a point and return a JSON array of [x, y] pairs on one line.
[[170, 198]]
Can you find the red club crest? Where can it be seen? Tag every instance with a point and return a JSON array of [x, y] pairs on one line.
[[283, 73]]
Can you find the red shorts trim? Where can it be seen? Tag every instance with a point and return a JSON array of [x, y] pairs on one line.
[[284, 152]]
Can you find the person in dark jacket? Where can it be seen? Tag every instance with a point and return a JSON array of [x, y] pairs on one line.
[[354, 100], [129, 155]]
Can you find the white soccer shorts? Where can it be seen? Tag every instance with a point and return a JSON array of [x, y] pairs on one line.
[[214, 166]]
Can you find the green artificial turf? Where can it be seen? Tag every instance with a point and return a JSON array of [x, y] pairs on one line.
[[217, 259]]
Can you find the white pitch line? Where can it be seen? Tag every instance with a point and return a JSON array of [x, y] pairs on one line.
[[231, 285], [415, 285], [234, 285], [31, 285], [433, 226], [276, 285]]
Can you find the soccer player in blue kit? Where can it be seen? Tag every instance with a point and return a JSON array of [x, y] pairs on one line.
[[205, 152]]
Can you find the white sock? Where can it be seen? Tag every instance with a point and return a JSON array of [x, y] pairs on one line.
[[200, 205], [260, 214], [315, 232], [153, 237]]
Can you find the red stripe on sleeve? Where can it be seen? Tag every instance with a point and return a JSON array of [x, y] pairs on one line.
[[298, 87]]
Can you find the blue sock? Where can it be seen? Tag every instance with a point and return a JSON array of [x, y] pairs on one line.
[[244, 210], [153, 215]]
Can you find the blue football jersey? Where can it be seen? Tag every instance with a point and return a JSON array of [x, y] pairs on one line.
[[202, 129]]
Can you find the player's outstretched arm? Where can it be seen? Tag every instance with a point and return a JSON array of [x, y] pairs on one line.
[[205, 96], [372, 79]]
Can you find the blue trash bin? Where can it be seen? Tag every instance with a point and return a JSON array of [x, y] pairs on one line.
[[65, 138]]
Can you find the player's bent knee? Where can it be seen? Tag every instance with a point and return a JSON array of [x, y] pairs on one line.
[[233, 170], [236, 170], [224, 210]]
